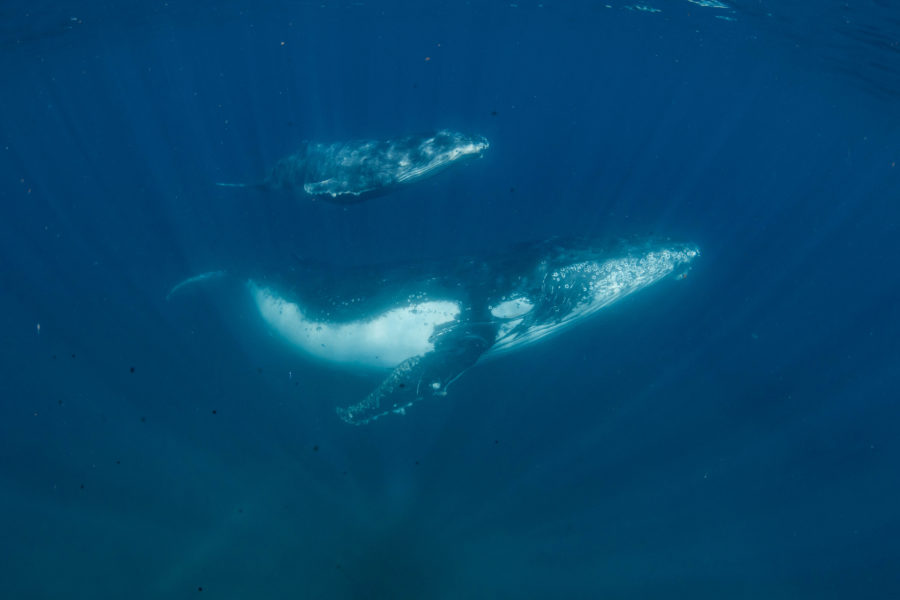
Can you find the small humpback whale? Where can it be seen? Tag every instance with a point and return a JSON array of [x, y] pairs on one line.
[[423, 325], [354, 171]]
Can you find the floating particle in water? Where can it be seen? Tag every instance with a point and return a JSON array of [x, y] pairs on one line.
[[643, 8], [709, 3], [316, 448], [131, 370]]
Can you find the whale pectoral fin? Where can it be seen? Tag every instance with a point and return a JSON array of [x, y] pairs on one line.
[[417, 378]]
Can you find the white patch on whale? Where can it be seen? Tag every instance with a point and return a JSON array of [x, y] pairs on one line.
[[383, 341], [512, 308]]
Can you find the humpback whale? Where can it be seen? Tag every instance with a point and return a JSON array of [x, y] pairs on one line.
[[354, 171], [423, 325]]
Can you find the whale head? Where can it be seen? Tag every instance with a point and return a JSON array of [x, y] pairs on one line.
[[460, 145], [574, 282], [436, 152]]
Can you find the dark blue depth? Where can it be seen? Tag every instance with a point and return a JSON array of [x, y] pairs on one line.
[[731, 435]]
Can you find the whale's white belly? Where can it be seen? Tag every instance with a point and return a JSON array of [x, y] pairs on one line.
[[382, 341], [386, 339]]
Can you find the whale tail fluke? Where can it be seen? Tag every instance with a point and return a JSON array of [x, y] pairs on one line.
[[191, 282]]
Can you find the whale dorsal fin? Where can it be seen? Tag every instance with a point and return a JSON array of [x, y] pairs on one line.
[[421, 377]]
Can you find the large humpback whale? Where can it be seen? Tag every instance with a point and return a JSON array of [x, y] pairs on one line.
[[423, 325], [350, 172]]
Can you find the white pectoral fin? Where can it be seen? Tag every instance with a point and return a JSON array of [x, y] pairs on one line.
[[417, 378], [395, 394]]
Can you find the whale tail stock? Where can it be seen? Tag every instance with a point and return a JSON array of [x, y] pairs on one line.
[[252, 186]]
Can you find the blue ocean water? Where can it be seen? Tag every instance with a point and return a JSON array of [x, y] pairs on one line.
[[729, 435]]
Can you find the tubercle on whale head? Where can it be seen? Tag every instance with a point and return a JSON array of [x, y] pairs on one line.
[[691, 251], [684, 256], [461, 144], [679, 254], [476, 146], [688, 251], [472, 148]]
